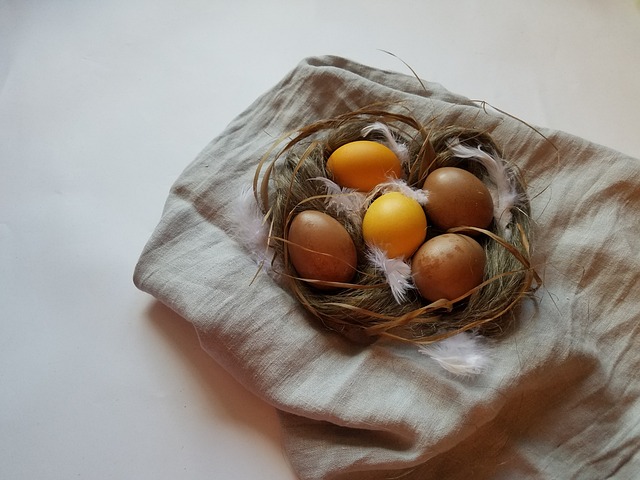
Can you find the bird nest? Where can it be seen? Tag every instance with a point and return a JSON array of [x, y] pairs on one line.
[[381, 298]]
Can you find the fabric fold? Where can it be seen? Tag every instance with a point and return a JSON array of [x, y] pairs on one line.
[[561, 396]]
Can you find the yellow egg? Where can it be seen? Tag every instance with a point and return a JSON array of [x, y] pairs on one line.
[[396, 224], [363, 164]]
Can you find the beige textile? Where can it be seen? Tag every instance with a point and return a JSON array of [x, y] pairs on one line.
[[562, 397]]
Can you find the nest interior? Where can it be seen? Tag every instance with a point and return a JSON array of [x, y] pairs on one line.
[[365, 309]]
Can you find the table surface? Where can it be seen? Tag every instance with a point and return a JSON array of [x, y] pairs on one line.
[[104, 103]]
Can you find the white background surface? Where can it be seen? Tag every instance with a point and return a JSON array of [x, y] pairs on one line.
[[103, 103]]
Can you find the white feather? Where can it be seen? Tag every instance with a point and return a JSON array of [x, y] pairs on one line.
[[464, 354], [249, 226], [400, 149], [399, 185], [342, 199], [506, 195], [396, 271]]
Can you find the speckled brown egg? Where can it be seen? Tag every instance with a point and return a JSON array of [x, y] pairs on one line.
[[448, 266], [320, 248], [457, 198]]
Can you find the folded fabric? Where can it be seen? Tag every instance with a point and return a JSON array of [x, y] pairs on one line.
[[561, 398]]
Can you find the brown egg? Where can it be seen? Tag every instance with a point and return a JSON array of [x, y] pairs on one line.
[[320, 248], [457, 198], [448, 266]]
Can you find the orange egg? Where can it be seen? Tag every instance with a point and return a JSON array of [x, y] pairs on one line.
[[448, 266], [457, 198], [396, 224], [363, 164], [320, 248]]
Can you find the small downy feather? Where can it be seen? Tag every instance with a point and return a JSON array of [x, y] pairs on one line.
[[342, 199], [396, 271], [464, 354], [399, 185], [506, 194], [400, 149], [249, 226]]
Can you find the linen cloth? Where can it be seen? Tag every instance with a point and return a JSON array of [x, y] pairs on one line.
[[562, 396]]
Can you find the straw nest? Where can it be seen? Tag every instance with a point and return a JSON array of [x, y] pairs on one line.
[[365, 309]]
